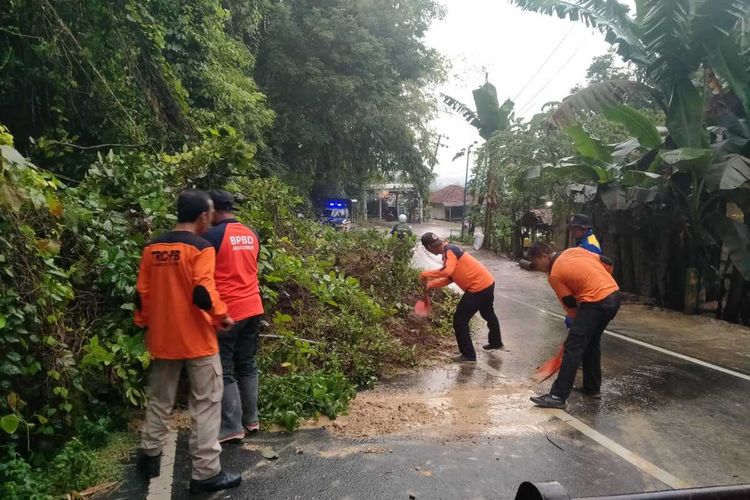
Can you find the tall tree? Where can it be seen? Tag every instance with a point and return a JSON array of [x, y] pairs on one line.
[[346, 80], [155, 72]]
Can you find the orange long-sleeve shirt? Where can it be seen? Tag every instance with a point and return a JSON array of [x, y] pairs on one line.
[[176, 297], [583, 275], [460, 268]]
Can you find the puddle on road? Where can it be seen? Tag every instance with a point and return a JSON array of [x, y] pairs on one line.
[[450, 402]]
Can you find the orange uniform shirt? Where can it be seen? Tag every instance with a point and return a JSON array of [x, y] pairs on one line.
[[582, 274], [237, 248], [176, 297], [460, 268]]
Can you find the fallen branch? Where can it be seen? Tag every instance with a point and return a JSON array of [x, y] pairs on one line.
[[99, 146], [99, 488]]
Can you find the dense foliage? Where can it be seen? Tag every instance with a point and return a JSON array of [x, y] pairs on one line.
[[116, 107], [345, 81], [676, 195], [337, 304]]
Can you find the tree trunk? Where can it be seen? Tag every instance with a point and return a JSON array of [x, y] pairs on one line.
[[692, 289], [737, 291]]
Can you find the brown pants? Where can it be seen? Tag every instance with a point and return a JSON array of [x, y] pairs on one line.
[[206, 389]]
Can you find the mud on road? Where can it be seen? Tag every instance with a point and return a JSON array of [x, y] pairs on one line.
[[436, 404]]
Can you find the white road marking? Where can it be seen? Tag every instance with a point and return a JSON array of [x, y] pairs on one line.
[[627, 455], [160, 488], [637, 342]]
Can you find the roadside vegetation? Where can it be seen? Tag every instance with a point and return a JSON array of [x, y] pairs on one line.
[[107, 111], [656, 147]]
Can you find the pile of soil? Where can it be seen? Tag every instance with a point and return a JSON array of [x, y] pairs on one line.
[[458, 413]]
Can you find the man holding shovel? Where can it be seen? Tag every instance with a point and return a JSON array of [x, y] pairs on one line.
[[584, 285], [478, 285]]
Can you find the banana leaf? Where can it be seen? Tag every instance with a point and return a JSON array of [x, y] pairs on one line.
[[685, 115], [727, 60], [588, 146], [688, 159], [492, 117], [462, 109], [614, 197], [596, 98], [609, 16], [639, 125], [730, 173], [642, 179], [624, 149], [736, 238]]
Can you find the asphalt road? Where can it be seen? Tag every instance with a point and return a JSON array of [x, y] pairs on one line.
[[664, 422]]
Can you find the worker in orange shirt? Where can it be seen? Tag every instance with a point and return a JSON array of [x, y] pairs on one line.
[[237, 248], [478, 285], [178, 303], [583, 283]]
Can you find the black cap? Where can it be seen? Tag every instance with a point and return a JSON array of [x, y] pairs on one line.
[[579, 220], [223, 201], [429, 239]]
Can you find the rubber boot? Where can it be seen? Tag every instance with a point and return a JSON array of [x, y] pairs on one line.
[[249, 394], [231, 414]]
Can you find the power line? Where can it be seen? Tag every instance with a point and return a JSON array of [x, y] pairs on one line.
[[554, 51], [565, 64]]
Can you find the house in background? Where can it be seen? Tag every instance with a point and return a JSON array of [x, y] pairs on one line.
[[448, 203]]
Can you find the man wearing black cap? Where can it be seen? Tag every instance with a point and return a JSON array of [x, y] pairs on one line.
[[580, 228], [236, 276], [478, 285]]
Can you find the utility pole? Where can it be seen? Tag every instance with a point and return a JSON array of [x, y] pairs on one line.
[[466, 182], [437, 148]]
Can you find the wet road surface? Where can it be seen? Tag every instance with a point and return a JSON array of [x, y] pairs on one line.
[[470, 432]]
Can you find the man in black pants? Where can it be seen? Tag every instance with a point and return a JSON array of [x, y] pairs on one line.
[[478, 285], [237, 248], [584, 285]]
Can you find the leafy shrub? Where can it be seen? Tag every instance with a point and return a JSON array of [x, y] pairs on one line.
[[287, 399]]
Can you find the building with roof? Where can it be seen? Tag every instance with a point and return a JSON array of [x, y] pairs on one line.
[[448, 203]]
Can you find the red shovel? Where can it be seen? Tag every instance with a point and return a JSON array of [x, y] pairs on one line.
[[549, 367], [423, 308]]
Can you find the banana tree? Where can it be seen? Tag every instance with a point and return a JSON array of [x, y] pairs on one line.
[[489, 116], [673, 41], [623, 172]]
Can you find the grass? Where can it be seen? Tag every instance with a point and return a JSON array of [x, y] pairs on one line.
[[109, 462]]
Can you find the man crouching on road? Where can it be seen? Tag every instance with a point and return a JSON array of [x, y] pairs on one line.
[[478, 285], [584, 285], [177, 301]]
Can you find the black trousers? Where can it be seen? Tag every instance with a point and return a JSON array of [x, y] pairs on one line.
[[237, 349], [583, 346], [470, 303]]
